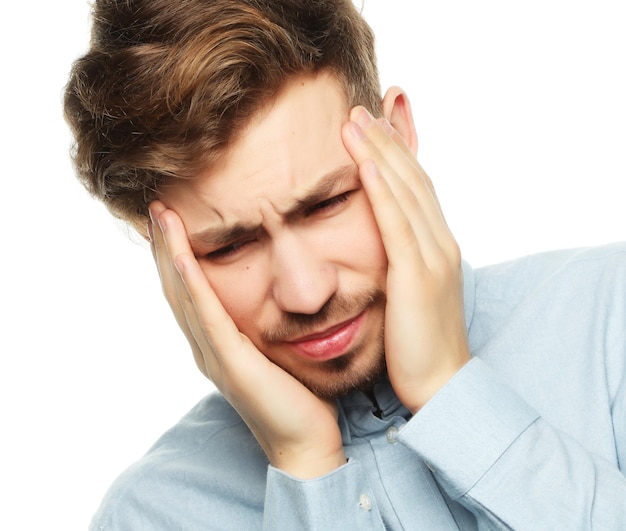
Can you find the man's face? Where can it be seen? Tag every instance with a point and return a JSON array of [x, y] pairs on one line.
[[286, 237]]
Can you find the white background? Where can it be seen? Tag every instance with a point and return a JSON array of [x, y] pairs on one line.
[[521, 113]]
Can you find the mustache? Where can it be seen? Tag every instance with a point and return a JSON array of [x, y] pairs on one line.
[[336, 309]]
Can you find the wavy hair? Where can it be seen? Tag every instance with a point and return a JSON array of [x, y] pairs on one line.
[[166, 85]]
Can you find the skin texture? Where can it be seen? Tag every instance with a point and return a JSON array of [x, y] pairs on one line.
[[339, 236]]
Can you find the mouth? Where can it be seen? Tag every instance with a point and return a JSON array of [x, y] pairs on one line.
[[330, 343]]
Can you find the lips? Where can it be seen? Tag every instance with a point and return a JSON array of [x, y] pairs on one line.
[[330, 343]]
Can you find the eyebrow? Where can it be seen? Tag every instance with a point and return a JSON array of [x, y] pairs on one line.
[[226, 234]]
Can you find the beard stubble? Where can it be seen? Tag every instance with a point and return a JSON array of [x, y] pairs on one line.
[[357, 369]]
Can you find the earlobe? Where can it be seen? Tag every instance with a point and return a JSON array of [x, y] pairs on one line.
[[397, 110]]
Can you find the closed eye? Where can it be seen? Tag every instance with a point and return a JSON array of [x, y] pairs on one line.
[[328, 204], [228, 250], [242, 237]]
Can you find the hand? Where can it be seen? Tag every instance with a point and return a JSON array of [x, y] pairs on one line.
[[297, 430], [425, 333]]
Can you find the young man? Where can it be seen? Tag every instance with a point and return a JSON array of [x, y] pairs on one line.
[[368, 378]]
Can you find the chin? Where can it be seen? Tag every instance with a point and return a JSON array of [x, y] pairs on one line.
[[354, 371]]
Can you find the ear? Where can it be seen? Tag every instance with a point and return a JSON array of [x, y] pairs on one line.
[[397, 111]]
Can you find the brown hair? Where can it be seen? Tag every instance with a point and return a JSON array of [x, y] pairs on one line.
[[167, 84]]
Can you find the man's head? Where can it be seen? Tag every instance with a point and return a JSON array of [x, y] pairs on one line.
[[167, 86], [286, 236], [231, 113]]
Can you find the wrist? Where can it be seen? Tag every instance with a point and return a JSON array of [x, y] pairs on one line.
[[416, 394], [303, 466]]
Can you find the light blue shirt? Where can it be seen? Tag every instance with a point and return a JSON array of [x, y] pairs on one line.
[[531, 434]]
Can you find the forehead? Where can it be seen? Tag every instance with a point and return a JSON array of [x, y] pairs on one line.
[[285, 149]]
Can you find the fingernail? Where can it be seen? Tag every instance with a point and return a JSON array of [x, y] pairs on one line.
[[363, 117]]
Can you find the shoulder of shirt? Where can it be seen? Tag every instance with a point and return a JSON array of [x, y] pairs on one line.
[[593, 253], [202, 456], [569, 264], [573, 284]]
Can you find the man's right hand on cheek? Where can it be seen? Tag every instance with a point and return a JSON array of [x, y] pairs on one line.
[[297, 430]]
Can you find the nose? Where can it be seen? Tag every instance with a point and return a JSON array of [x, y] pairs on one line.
[[303, 279]]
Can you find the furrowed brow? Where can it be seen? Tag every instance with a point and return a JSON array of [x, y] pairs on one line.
[[216, 237], [321, 191]]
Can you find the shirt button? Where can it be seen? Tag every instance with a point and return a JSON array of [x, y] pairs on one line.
[[365, 502], [392, 435]]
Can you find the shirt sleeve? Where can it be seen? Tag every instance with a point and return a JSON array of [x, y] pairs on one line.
[[339, 501], [493, 453]]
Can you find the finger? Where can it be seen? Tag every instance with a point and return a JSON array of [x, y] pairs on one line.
[[211, 324], [401, 145], [407, 181], [402, 217], [206, 353], [397, 231], [386, 143], [163, 261], [168, 275], [445, 238], [383, 144], [186, 313]]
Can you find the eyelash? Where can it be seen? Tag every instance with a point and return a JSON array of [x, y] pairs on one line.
[[234, 247], [227, 250], [328, 203]]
